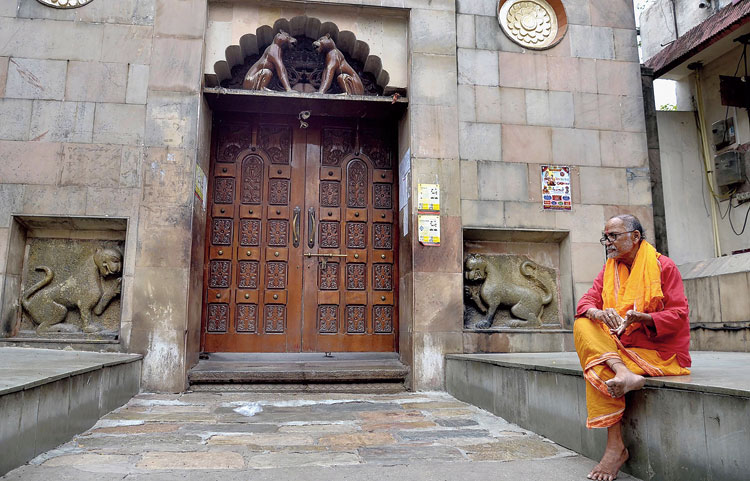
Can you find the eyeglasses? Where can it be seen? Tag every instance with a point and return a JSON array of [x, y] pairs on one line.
[[612, 236]]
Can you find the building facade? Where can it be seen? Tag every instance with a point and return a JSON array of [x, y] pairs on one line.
[[125, 127]]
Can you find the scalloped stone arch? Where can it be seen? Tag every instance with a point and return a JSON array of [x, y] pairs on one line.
[[311, 27]]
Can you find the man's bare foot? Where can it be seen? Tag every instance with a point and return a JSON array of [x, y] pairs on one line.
[[624, 382], [609, 466]]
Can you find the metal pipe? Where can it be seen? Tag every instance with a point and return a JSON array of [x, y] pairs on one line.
[[707, 158]]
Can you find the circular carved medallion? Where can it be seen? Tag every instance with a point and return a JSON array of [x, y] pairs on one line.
[[530, 23], [64, 3]]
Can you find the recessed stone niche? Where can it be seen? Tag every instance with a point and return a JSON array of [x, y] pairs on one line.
[[63, 279], [516, 281]]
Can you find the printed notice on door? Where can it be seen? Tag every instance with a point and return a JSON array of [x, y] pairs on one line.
[[428, 226], [556, 187]]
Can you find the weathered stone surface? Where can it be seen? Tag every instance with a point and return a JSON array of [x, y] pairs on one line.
[[171, 120], [353, 441], [137, 91], [469, 182], [477, 67], [601, 185], [3, 74], [626, 44], [456, 423], [617, 78], [522, 70], [480, 141], [434, 435], [476, 7], [434, 132], [511, 448], [167, 179], [128, 44], [591, 42], [465, 31], [192, 460], [147, 428], [572, 74], [319, 429], [131, 173], [301, 460], [176, 64], [30, 78], [432, 32], [119, 124], [16, 115], [581, 253], [121, 12], [483, 213], [512, 175], [53, 121], [618, 13], [262, 440], [398, 426], [96, 81], [553, 109], [529, 144], [466, 103], [437, 84], [15, 168], [395, 455], [91, 165], [25, 39], [623, 149], [180, 18], [576, 147]]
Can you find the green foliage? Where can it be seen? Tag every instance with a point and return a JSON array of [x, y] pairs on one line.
[[672, 107]]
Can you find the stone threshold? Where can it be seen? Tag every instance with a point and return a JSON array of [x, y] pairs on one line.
[[298, 368]]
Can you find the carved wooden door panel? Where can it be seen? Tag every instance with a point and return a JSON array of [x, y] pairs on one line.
[[350, 276], [301, 238]]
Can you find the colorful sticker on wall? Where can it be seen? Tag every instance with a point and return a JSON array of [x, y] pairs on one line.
[[201, 185], [428, 198], [556, 193], [428, 226]]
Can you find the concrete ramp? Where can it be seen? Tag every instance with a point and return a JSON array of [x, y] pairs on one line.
[[693, 427], [48, 396]]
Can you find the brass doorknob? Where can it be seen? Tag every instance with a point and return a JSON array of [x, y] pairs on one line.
[[221, 252], [249, 253], [275, 296], [222, 210], [356, 256], [247, 296], [251, 211], [382, 298], [382, 216], [278, 212], [356, 214], [276, 254], [224, 170], [382, 256], [218, 296]]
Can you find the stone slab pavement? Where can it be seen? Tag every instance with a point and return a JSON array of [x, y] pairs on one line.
[[266, 436]]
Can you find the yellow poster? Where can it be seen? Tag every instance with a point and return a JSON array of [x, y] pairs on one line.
[[428, 198], [428, 227]]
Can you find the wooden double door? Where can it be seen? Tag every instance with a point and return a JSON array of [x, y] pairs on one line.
[[301, 237]]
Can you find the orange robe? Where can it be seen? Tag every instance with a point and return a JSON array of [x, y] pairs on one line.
[[662, 350]]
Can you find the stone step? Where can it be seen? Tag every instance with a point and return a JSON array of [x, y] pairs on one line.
[[350, 387], [305, 372]]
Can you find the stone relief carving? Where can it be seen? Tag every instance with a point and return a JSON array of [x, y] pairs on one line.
[[530, 23], [336, 67], [261, 72], [94, 281], [510, 281], [64, 3]]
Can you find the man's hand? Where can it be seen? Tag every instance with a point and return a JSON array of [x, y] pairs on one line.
[[631, 317], [608, 316]]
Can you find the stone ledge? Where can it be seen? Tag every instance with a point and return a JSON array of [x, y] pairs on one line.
[[683, 427]]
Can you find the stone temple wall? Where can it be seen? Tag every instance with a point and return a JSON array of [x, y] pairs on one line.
[[100, 117], [578, 103]]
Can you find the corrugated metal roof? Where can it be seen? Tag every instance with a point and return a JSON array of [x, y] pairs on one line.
[[714, 28]]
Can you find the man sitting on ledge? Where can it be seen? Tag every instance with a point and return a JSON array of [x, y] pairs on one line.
[[632, 323]]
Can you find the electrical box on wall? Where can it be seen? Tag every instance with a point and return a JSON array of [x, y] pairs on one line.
[[729, 168], [723, 133]]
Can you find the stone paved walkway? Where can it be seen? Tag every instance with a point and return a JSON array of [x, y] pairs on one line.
[[429, 436]]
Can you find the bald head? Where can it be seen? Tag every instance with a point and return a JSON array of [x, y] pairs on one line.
[[631, 223]]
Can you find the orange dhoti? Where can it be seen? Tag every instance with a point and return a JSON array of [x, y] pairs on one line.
[[595, 345]]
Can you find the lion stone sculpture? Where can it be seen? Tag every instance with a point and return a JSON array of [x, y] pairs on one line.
[[498, 288], [337, 67], [261, 72], [84, 290]]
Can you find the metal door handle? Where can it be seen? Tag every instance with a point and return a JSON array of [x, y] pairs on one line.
[[295, 227], [311, 227]]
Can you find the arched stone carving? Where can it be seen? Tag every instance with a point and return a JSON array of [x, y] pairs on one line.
[[304, 65]]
